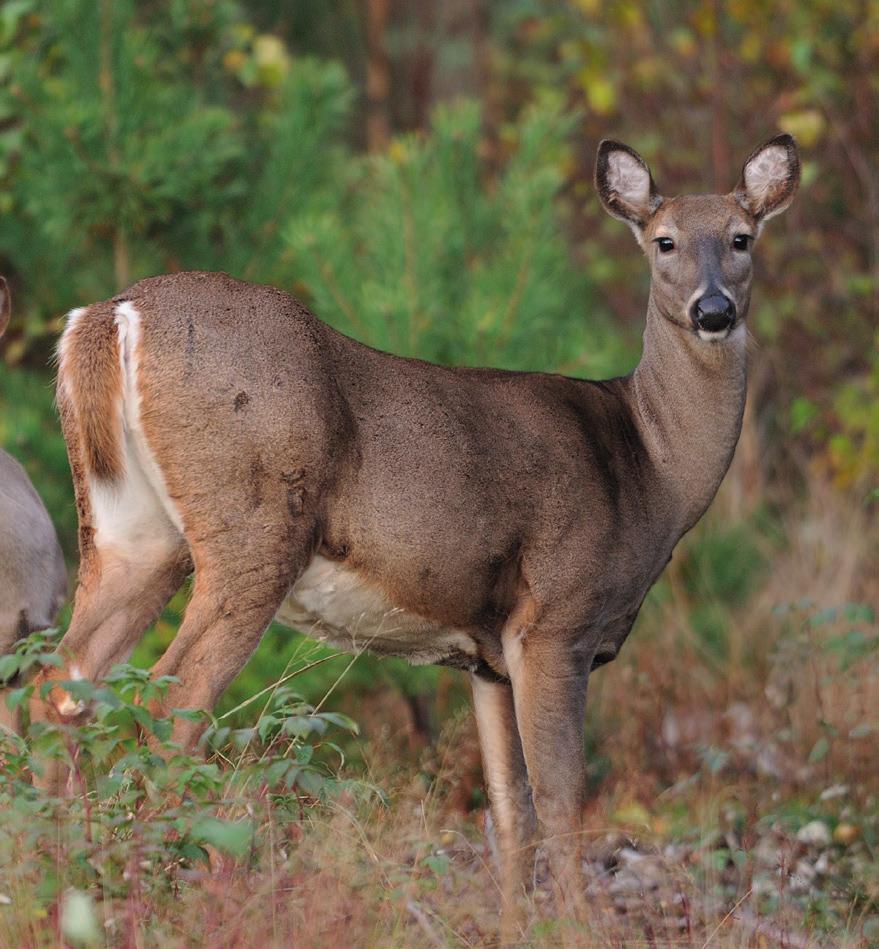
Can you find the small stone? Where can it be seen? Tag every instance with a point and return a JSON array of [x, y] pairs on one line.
[[79, 921], [629, 855], [816, 834], [802, 877], [835, 790]]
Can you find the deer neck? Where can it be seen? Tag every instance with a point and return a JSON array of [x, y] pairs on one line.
[[689, 398]]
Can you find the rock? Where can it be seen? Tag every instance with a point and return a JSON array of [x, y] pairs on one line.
[[835, 790], [79, 920], [816, 834], [802, 877]]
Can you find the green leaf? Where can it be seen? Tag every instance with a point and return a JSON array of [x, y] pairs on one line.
[[10, 665], [821, 617], [17, 697], [802, 411], [819, 750], [277, 771], [298, 726], [311, 782], [231, 837], [859, 613], [342, 721], [437, 863]]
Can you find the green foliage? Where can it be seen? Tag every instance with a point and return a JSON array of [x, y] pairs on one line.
[[423, 259], [136, 802], [130, 158]]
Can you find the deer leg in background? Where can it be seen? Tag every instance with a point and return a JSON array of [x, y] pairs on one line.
[[549, 675], [117, 599], [512, 811]]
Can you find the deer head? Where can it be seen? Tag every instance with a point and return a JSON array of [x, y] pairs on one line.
[[699, 246]]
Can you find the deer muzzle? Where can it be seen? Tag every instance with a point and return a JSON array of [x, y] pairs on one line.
[[713, 313]]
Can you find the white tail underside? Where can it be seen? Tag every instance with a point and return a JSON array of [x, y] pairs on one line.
[[135, 515]]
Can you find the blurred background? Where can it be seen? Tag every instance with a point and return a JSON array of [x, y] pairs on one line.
[[419, 173]]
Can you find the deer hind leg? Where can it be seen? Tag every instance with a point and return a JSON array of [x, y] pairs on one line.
[[121, 592], [132, 560], [126, 578], [509, 794], [549, 675], [240, 582]]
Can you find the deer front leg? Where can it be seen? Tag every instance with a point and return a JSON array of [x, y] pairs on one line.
[[512, 811], [549, 674]]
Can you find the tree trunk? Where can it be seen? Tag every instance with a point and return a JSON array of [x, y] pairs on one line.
[[378, 75]]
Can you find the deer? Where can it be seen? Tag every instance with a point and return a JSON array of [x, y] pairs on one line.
[[33, 576], [505, 523]]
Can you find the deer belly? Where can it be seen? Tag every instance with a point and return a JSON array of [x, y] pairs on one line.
[[335, 605]]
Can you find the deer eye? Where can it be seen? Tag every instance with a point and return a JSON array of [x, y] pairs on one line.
[[666, 244], [740, 241]]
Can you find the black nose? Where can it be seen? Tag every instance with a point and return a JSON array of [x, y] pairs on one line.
[[713, 313]]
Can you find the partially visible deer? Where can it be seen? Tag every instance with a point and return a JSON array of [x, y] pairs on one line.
[[509, 524], [33, 578]]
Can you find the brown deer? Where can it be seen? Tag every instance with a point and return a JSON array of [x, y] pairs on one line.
[[506, 523], [33, 578]]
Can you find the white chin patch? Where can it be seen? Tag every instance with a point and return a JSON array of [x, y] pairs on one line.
[[714, 336]]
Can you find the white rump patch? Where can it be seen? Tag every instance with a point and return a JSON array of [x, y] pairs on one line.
[[334, 604], [136, 515]]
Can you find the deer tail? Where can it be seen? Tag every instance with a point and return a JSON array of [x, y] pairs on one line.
[[90, 390]]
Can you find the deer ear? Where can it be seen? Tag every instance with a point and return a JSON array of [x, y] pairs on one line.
[[5, 305], [769, 178], [625, 185]]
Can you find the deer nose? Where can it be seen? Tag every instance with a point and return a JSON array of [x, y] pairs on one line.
[[713, 313]]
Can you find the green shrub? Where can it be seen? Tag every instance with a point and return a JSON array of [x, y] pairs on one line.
[[133, 802]]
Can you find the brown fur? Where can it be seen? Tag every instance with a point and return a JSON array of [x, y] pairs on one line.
[[529, 511], [90, 373]]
